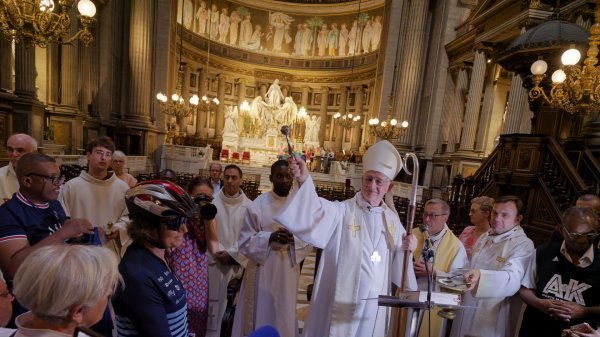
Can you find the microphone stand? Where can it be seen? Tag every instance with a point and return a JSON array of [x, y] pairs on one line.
[[428, 255]]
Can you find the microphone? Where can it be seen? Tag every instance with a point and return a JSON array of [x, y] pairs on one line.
[[285, 130], [427, 246]]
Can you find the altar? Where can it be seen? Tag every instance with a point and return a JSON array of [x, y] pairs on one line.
[[255, 128]]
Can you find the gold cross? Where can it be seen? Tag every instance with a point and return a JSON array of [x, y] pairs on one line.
[[354, 229]]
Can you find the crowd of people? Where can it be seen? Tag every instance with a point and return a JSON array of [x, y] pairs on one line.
[[151, 258]]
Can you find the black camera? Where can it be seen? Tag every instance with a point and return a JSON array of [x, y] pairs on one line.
[[208, 211]]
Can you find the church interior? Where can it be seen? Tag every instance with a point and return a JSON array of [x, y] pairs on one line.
[[180, 84]]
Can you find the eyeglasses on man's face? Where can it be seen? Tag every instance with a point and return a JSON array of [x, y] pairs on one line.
[[378, 181], [589, 236], [106, 154], [55, 180], [432, 215]]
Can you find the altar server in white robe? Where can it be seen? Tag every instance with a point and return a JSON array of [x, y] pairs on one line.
[[363, 246], [228, 263], [270, 285], [499, 260]]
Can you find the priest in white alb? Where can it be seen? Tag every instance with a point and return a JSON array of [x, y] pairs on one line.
[[270, 285], [231, 203], [363, 246], [499, 260]]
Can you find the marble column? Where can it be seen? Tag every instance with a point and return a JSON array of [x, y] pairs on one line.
[[241, 91], [69, 76], [457, 108], [323, 114], [185, 94], [263, 90], [28, 110], [410, 71], [69, 70], [486, 109], [241, 99], [526, 116], [141, 32], [304, 99], [220, 120], [358, 111], [516, 103], [6, 65], [89, 70], [467, 141], [339, 130], [25, 71], [201, 116]]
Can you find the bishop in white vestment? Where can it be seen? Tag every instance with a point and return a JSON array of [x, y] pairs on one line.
[[230, 214], [363, 248], [270, 285]]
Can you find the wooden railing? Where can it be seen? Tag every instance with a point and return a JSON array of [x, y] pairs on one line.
[[538, 170]]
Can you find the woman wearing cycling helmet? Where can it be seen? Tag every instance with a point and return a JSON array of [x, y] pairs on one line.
[[153, 301]]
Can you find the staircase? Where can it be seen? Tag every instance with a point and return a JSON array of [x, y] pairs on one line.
[[536, 168]]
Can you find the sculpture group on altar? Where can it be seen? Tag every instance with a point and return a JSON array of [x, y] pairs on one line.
[[274, 110]]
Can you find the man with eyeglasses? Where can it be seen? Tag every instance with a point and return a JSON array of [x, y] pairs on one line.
[[363, 246], [562, 284], [99, 195], [17, 145], [448, 254], [33, 217], [499, 259]]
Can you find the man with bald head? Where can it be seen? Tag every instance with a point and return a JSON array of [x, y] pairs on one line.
[[17, 145]]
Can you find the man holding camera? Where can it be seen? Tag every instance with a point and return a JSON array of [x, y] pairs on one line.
[[228, 263]]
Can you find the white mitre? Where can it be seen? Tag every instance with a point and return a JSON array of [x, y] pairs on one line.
[[384, 158]]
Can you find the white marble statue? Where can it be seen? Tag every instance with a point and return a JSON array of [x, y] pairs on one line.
[[231, 119], [274, 95], [313, 126], [269, 112]]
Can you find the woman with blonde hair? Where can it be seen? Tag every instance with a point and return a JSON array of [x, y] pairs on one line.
[[118, 164], [64, 286], [481, 209]]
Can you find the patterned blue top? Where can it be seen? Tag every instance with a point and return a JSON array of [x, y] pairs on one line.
[[153, 301]]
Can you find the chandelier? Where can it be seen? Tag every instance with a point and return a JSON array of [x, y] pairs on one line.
[[208, 104], [177, 106], [346, 121], [387, 129], [575, 88], [42, 22]]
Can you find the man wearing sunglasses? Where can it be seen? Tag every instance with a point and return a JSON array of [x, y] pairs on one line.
[[98, 195], [562, 284], [17, 145]]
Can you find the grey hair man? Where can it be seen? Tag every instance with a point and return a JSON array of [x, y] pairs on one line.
[[17, 145]]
